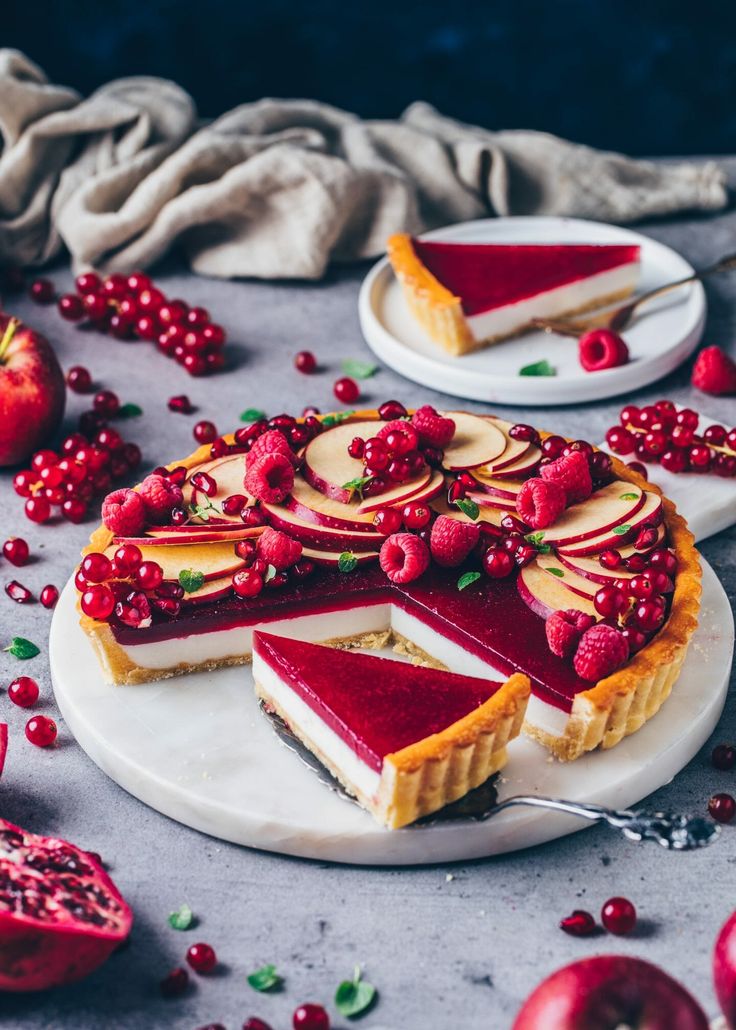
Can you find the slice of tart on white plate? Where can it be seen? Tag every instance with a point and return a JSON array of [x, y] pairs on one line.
[[469, 295], [405, 740]]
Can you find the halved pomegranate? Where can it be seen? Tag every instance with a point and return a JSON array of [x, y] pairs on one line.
[[61, 915]]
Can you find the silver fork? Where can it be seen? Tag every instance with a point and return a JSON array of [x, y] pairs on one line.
[[672, 830], [618, 318]]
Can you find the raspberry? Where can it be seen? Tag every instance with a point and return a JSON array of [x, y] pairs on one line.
[[602, 649], [564, 630], [540, 502], [278, 549], [572, 472], [160, 496], [714, 372], [124, 512], [403, 557], [270, 477], [272, 442], [434, 430], [452, 541], [600, 348]]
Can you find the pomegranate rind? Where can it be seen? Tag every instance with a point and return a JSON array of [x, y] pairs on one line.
[[36, 954]]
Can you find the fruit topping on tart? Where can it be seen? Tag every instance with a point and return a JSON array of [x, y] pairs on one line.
[[469, 295], [404, 739], [475, 545]]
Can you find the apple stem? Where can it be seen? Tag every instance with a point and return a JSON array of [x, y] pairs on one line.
[[8, 335]]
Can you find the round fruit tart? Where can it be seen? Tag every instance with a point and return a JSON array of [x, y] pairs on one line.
[[511, 564]]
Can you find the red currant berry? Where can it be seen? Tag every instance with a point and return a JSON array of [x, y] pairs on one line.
[[38, 509], [96, 567], [71, 307], [305, 362], [49, 596], [648, 616], [254, 1023], [641, 587], [88, 282], [387, 521], [175, 983], [636, 466], [620, 440], [202, 958], [97, 601], [41, 731], [149, 575], [16, 551], [197, 317], [416, 516], [23, 692], [618, 916], [310, 1017], [579, 923], [629, 415], [74, 510], [204, 432], [655, 442], [498, 563], [731, 440], [725, 466], [247, 583], [553, 446], [664, 560], [700, 456], [610, 602], [715, 435], [150, 300], [389, 411], [95, 306], [106, 403], [522, 431], [723, 757], [722, 807], [346, 390], [649, 418], [634, 638], [214, 335], [687, 418], [42, 291], [127, 560]]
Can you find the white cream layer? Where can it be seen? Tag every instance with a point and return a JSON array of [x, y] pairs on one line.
[[512, 317], [221, 644], [356, 773]]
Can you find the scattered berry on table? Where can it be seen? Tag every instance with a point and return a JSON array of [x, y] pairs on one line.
[[202, 958], [618, 915], [23, 692], [305, 362], [16, 551], [579, 923], [346, 390], [722, 807], [42, 291], [723, 757], [310, 1017], [41, 731]]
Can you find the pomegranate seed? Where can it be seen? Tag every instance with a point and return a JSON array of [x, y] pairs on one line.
[[356, 447], [38, 509], [305, 362], [18, 593], [96, 567], [245, 549], [618, 916], [178, 516], [88, 282], [522, 431], [71, 307], [723, 757], [97, 601], [181, 403], [149, 575], [252, 517], [23, 692], [204, 483], [16, 551], [202, 958], [346, 390], [579, 923], [49, 596], [391, 410], [234, 504], [387, 521], [247, 583], [497, 563], [42, 291], [175, 983], [204, 432], [310, 1017], [302, 570], [722, 807], [610, 559], [41, 731]]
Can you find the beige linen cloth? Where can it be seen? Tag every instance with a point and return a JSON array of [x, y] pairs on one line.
[[279, 188]]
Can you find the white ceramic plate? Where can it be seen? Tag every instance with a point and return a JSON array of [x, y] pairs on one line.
[[664, 335], [198, 749]]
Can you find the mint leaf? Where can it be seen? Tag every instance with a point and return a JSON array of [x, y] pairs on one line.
[[336, 418], [264, 979], [535, 539], [468, 507], [252, 415], [182, 919], [357, 485], [466, 579], [629, 497], [191, 580], [269, 573], [347, 562], [354, 997], [359, 369], [621, 530], [538, 368], [555, 572], [21, 648], [203, 511], [128, 411]]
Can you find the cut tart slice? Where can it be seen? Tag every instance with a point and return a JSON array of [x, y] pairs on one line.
[[469, 295], [405, 740]]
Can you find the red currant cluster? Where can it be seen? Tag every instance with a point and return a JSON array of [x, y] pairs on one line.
[[393, 455], [660, 433], [86, 464], [131, 307], [126, 589], [637, 604]]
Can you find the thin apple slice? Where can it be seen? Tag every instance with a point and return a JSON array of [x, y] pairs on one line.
[[197, 534], [327, 464], [229, 473], [508, 488], [211, 590], [324, 538], [544, 594], [432, 488], [488, 514], [477, 441], [576, 584], [525, 466], [612, 505], [332, 557], [312, 506], [493, 501], [212, 560], [515, 449], [591, 569], [650, 513], [399, 494]]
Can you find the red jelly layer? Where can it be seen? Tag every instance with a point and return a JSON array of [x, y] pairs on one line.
[[486, 276], [490, 621], [377, 706]]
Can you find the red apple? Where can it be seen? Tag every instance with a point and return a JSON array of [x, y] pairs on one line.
[[724, 970], [609, 991], [32, 391]]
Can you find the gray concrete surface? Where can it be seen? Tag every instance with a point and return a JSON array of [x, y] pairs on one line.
[[444, 953]]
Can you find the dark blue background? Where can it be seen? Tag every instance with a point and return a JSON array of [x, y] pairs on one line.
[[643, 77]]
